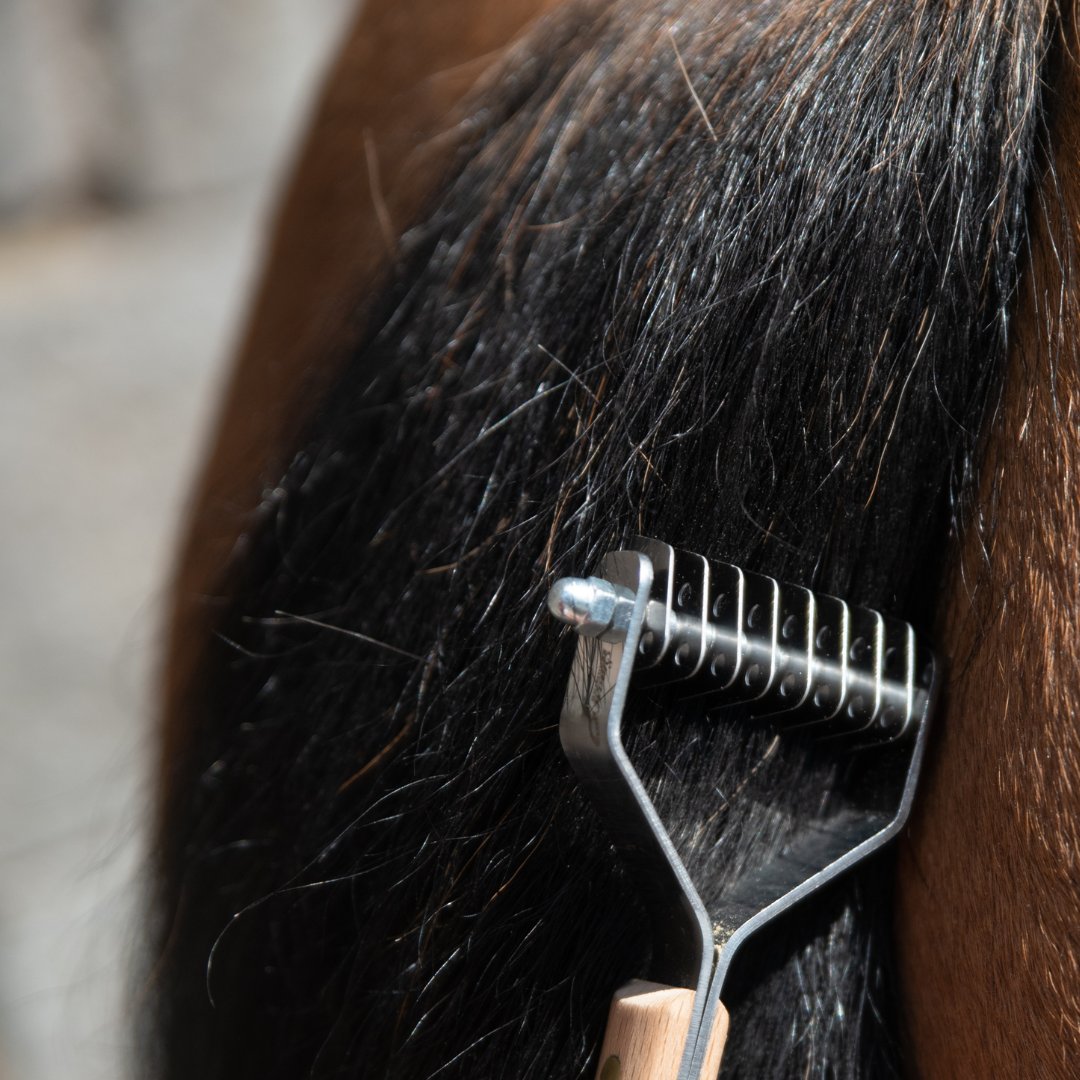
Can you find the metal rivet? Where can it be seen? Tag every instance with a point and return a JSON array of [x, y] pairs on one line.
[[791, 624], [685, 594], [824, 637], [718, 605]]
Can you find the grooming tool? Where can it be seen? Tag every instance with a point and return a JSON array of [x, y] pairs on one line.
[[801, 661]]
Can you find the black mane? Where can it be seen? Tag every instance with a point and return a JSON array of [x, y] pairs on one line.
[[736, 275]]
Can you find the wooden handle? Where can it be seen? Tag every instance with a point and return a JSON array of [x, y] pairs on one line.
[[646, 1032]]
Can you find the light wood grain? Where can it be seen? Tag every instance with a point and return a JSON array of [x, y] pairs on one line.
[[646, 1032]]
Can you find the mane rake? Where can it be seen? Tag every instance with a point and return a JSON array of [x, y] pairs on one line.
[[856, 679]]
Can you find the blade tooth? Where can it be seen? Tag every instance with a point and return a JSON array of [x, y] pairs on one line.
[[656, 636], [791, 683], [724, 635], [686, 621]]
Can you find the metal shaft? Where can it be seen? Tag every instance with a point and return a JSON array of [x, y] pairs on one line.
[[802, 658]]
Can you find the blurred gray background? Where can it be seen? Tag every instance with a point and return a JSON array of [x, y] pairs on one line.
[[140, 142]]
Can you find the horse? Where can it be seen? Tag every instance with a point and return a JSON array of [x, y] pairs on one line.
[[786, 283]]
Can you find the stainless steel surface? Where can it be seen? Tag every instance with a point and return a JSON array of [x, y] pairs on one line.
[[592, 606], [848, 675]]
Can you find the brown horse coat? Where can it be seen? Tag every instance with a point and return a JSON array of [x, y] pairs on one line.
[[988, 931]]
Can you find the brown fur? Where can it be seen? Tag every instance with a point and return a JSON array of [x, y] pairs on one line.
[[988, 933], [989, 922]]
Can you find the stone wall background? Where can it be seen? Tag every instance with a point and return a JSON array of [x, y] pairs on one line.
[[140, 142], [132, 100]]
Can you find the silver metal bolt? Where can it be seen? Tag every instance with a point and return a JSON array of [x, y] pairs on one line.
[[592, 606]]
